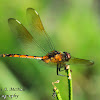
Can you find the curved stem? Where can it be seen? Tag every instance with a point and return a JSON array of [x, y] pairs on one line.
[[56, 91]]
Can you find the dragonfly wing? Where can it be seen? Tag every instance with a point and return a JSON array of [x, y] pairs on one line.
[[38, 31], [19, 30], [74, 60], [24, 37]]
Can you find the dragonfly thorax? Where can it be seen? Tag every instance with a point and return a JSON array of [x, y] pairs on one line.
[[56, 57], [53, 53]]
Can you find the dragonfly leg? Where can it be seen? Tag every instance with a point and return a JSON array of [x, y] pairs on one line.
[[58, 69], [61, 67]]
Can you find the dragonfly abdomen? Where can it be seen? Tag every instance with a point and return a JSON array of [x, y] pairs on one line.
[[20, 56]]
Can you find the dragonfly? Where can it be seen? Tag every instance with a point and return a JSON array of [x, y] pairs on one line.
[[37, 36]]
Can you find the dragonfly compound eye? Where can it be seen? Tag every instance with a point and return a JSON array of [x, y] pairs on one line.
[[67, 56]]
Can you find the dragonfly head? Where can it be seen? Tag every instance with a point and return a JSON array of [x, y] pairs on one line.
[[67, 56]]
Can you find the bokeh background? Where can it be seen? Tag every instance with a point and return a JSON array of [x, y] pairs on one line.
[[73, 26]]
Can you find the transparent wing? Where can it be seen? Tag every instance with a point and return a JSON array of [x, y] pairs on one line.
[[19, 30], [37, 30], [22, 34], [74, 60]]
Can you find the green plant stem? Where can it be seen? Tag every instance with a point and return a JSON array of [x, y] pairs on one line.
[[58, 94], [56, 91], [69, 82]]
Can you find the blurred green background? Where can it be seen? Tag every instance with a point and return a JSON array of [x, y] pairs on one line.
[[74, 26]]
